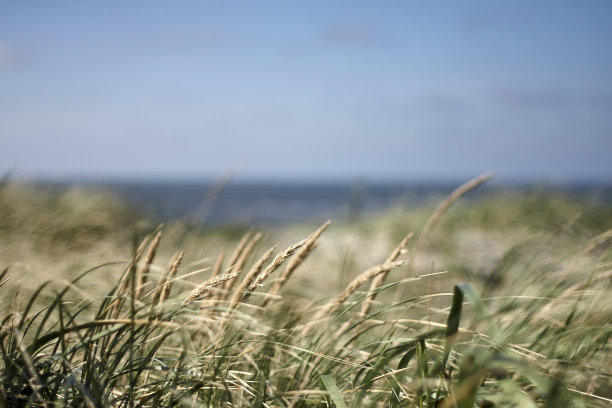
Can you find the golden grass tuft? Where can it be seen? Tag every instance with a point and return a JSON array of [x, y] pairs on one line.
[[204, 288], [276, 263], [445, 345], [124, 281], [243, 258], [296, 261], [143, 271], [380, 279], [131, 268], [239, 293], [356, 283], [165, 282]]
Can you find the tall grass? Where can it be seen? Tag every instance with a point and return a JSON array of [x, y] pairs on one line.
[[532, 332]]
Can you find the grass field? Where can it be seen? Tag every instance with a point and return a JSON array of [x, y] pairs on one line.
[[500, 302]]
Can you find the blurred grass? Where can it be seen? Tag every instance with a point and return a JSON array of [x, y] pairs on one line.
[[530, 328]]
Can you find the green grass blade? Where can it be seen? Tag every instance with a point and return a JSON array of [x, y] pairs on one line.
[[334, 393], [452, 323], [26, 311]]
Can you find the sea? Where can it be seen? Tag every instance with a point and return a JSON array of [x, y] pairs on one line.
[[273, 203]]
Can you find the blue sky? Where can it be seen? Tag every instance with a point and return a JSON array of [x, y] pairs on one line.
[[306, 90]]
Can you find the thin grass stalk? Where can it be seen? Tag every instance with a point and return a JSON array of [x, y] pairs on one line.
[[218, 264], [355, 284], [445, 205], [296, 261], [299, 257], [380, 279], [239, 248], [204, 288], [276, 263], [241, 261], [162, 279], [132, 335], [554, 303], [250, 277], [143, 272], [89, 403], [124, 281], [234, 258], [241, 295], [596, 241], [210, 197], [435, 218], [35, 380], [131, 268], [165, 283], [364, 277], [377, 282]]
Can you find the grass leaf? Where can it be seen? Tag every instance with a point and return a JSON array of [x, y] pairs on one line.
[[334, 393]]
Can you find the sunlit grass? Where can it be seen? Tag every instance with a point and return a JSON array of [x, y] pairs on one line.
[[500, 303]]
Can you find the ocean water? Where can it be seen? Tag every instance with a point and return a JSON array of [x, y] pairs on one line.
[[273, 203], [269, 203]]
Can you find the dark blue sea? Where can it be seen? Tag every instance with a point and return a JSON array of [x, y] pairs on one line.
[[275, 203]]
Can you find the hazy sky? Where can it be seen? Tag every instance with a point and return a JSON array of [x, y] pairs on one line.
[[308, 89]]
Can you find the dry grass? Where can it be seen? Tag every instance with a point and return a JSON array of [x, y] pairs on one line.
[[531, 329], [204, 288], [248, 279], [296, 261], [380, 279], [142, 273], [165, 282]]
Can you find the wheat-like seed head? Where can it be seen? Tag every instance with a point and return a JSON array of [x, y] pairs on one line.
[[141, 273], [172, 270], [205, 287], [131, 268], [123, 285], [231, 265], [355, 283], [242, 259], [366, 276], [380, 279], [296, 261], [276, 262], [304, 251], [238, 295], [162, 280]]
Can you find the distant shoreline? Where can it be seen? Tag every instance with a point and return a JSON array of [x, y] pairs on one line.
[[279, 203]]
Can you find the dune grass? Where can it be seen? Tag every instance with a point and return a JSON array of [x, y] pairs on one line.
[[447, 318]]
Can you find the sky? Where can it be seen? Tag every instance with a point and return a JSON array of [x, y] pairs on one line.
[[316, 90]]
